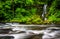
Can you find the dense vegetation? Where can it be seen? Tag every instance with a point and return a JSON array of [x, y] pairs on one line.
[[29, 11]]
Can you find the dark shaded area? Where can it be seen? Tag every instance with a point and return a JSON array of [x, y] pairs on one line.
[[5, 31], [6, 37]]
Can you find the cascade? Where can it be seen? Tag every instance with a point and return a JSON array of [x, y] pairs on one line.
[[44, 12]]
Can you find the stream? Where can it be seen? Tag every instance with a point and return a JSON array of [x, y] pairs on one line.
[[21, 32], [27, 32]]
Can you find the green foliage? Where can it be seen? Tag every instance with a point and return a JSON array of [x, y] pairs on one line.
[[57, 14], [29, 2], [52, 18], [29, 11], [5, 10], [34, 19], [54, 12], [33, 10], [52, 8]]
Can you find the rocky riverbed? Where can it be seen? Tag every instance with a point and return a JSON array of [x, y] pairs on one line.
[[28, 32], [49, 33]]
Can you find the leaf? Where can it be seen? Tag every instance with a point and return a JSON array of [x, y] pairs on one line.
[[52, 18], [33, 10], [29, 1], [7, 6]]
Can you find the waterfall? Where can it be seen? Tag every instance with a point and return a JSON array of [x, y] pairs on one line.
[[44, 12]]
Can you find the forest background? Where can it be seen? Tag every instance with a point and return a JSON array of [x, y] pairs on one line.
[[29, 11]]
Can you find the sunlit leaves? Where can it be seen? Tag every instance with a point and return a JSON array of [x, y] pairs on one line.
[[1, 5], [18, 1], [52, 18], [8, 2], [7, 6], [33, 10], [54, 12], [21, 12], [18, 10], [29, 2], [57, 14]]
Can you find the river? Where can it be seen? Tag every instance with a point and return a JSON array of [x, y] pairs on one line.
[[24, 31]]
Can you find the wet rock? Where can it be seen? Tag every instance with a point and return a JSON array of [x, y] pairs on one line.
[[5, 30], [36, 37], [6, 37], [16, 32]]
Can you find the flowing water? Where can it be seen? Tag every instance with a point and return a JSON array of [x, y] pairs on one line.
[[44, 12], [25, 32], [22, 32]]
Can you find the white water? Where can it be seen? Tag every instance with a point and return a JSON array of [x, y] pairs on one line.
[[21, 36], [28, 33], [19, 28], [18, 36], [49, 34], [24, 35], [44, 12]]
